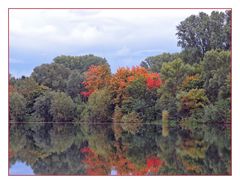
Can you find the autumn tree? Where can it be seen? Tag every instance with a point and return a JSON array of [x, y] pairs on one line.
[[95, 164], [96, 77], [126, 81]]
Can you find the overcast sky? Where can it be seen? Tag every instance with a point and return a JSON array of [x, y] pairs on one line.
[[123, 37]]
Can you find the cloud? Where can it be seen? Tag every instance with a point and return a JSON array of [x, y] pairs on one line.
[[43, 28], [114, 34]]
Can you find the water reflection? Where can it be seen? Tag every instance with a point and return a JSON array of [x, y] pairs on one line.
[[106, 149]]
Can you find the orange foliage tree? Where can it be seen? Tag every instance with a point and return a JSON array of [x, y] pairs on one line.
[[97, 77], [124, 76], [95, 164]]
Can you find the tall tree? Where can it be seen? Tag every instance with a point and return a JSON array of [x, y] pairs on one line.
[[204, 32]]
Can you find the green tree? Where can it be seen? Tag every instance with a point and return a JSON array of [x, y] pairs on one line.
[[99, 107], [30, 90], [155, 62], [17, 107], [79, 63], [62, 108], [173, 74], [140, 99], [53, 76], [54, 107], [192, 100], [75, 84], [42, 108], [216, 74], [131, 122], [190, 55], [204, 32], [219, 112]]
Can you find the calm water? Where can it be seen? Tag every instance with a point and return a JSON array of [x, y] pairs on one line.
[[108, 149]]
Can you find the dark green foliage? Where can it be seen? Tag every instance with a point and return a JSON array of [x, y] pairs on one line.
[[74, 84], [17, 107], [173, 74], [53, 76], [204, 32], [141, 100], [62, 107], [155, 62], [79, 63], [169, 102], [216, 74], [191, 55], [99, 107], [54, 106], [30, 90], [218, 112], [42, 108]]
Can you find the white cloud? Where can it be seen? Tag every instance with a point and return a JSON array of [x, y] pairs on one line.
[[41, 29], [119, 35]]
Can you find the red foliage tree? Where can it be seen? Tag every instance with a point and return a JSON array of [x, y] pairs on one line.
[[97, 165], [153, 81], [125, 76], [154, 164]]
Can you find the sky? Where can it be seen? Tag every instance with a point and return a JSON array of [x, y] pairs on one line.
[[123, 37], [20, 168]]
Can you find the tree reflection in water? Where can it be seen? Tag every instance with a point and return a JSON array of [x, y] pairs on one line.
[[97, 149]]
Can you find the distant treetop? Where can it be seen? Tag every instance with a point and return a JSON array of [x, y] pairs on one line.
[[80, 63]]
